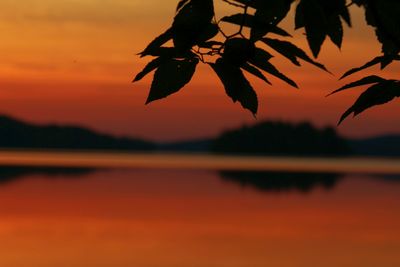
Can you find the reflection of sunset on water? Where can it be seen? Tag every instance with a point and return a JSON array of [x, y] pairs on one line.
[[163, 218]]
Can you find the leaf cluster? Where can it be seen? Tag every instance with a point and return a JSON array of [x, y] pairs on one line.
[[197, 36]]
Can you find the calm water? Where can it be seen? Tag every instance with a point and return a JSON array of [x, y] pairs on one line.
[[160, 218]]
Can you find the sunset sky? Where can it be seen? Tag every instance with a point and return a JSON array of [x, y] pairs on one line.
[[72, 62]]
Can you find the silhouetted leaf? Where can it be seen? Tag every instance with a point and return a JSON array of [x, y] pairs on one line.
[[291, 52], [271, 12], [195, 12], [335, 30], [334, 10], [258, 27], [256, 72], [261, 55], [321, 18], [314, 20], [236, 85], [375, 61], [261, 60], [181, 4], [377, 94], [279, 31], [208, 32], [384, 16], [299, 17], [157, 43], [191, 21], [149, 68], [170, 77], [364, 81], [238, 50], [246, 20], [344, 13], [169, 52]]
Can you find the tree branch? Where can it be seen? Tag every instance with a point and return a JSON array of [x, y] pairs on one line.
[[233, 4]]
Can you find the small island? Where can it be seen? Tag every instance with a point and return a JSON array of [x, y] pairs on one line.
[[280, 138]]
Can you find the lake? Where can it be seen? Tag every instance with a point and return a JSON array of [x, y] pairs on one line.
[[170, 217]]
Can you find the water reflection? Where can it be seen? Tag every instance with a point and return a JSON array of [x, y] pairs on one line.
[[395, 178], [165, 218], [261, 181], [9, 174], [278, 181]]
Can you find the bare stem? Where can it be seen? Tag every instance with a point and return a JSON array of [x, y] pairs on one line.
[[233, 4]]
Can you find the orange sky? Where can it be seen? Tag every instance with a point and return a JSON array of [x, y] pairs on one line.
[[70, 61]]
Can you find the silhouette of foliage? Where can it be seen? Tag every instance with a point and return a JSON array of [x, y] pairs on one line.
[[278, 138], [381, 92], [196, 35]]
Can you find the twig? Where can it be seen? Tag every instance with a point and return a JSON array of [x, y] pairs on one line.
[[233, 4]]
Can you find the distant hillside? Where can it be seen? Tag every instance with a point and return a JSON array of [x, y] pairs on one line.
[[378, 146], [279, 138], [18, 134], [264, 138], [200, 145]]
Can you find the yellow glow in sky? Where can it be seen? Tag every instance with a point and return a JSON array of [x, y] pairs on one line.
[[72, 61]]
